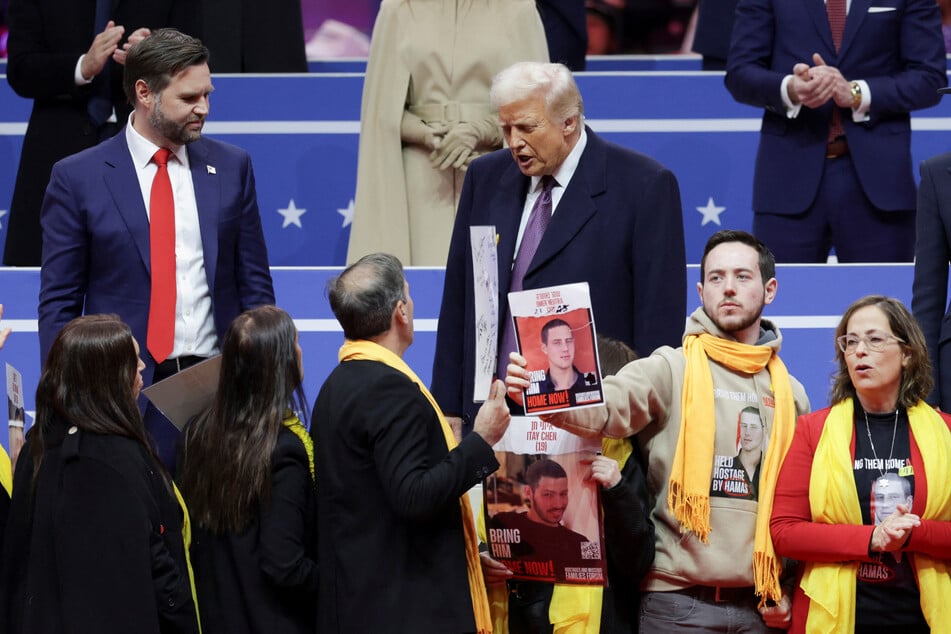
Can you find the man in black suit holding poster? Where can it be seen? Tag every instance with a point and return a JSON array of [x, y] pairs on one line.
[[396, 537]]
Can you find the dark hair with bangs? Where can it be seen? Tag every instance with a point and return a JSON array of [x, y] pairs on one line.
[[88, 381]]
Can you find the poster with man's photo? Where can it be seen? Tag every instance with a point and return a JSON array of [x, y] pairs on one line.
[[555, 332], [543, 511], [737, 475]]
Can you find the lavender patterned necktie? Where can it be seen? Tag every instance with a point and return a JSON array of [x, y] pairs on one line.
[[538, 221]]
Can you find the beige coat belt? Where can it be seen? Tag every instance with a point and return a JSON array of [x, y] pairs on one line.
[[452, 111]]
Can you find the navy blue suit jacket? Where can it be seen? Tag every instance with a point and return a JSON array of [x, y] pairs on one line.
[[714, 26], [565, 23], [96, 239], [932, 256], [894, 45], [618, 227]]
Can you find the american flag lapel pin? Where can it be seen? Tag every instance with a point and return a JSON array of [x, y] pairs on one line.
[[211, 169]]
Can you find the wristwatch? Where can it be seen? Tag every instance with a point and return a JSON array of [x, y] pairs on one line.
[[856, 89]]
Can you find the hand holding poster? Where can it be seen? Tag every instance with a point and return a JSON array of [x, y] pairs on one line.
[[543, 513], [555, 332]]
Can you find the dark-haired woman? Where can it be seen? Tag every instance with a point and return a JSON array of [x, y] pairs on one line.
[[863, 498], [246, 468], [95, 539]]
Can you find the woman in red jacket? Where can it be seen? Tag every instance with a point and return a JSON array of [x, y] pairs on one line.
[[863, 499]]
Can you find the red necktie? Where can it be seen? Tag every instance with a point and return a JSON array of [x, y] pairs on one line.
[[161, 329], [836, 11]]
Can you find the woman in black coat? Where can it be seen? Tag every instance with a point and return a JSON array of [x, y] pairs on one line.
[[246, 469], [94, 542]]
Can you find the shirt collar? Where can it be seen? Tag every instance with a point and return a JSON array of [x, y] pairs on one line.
[[567, 168], [143, 150]]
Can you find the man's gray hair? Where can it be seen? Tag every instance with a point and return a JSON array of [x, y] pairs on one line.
[[525, 79], [364, 295]]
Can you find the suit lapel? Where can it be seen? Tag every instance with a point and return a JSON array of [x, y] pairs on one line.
[[858, 11], [208, 200], [122, 183], [505, 212], [820, 17], [576, 206]]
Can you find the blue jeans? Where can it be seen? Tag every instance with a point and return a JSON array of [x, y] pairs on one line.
[[697, 610]]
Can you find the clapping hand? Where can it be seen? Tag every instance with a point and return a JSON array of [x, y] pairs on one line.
[[894, 531], [102, 48], [137, 36]]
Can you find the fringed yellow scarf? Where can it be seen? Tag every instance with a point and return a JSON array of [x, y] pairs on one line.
[[292, 422], [187, 538], [833, 499], [688, 494], [367, 350], [574, 609]]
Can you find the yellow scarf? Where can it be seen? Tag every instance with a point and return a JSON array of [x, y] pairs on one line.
[[6, 472], [292, 422], [688, 494], [187, 538], [833, 499], [368, 350], [573, 609]]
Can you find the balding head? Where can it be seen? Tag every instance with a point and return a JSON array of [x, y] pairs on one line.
[[364, 296]]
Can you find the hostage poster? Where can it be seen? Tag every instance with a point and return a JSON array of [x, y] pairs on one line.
[[555, 332], [543, 512]]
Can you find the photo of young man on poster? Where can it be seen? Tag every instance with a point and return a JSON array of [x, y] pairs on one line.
[[536, 543]]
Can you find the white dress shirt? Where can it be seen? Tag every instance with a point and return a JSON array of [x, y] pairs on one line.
[[194, 324], [562, 175]]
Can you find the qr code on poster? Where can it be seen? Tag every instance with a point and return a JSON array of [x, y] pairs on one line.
[[591, 550]]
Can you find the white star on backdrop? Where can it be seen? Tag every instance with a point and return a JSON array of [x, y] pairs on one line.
[[711, 213], [347, 213], [291, 215], [3, 212]]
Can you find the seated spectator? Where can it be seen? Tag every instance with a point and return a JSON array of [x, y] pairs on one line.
[[604, 23]]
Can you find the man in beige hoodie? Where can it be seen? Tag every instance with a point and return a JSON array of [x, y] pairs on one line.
[[714, 564]]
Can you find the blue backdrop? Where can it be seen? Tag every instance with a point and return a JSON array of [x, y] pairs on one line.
[[302, 133], [808, 304]]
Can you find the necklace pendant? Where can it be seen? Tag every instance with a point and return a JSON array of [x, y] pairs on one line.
[[883, 482]]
